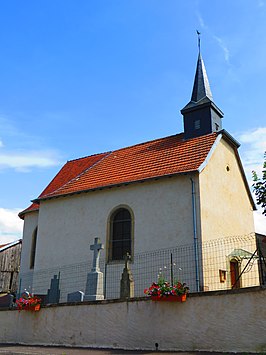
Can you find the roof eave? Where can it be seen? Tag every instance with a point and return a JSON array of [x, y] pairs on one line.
[[194, 106], [230, 138], [245, 181], [104, 187], [23, 213]]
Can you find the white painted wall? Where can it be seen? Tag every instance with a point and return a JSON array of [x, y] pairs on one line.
[[225, 322], [30, 224], [67, 226]]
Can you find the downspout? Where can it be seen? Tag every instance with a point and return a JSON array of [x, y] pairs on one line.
[[195, 235]]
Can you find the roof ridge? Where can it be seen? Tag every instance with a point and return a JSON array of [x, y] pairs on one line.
[[149, 141], [129, 146], [77, 176], [88, 156], [59, 172]]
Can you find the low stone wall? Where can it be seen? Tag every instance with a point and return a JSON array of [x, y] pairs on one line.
[[232, 321]]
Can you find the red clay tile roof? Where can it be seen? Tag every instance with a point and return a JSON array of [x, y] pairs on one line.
[[161, 157], [71, 170], [31, 208], [68, 172]]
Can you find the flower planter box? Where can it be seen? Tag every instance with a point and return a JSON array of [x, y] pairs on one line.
[[170, 298], [35, 308], [28, 303]]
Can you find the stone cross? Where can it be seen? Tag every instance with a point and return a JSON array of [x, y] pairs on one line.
[[127, 282], [96, 247], [127, 259], [94, 285]]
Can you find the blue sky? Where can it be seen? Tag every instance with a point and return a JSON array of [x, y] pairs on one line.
[[81, 77]]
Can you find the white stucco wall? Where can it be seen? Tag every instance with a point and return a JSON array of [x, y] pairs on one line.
[[30, 224], [67, 226], [225, 322]]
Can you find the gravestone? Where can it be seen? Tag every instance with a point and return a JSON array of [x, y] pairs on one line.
[[6, 300], [53, 294], [77, 296], [94, 286], [127, 282]]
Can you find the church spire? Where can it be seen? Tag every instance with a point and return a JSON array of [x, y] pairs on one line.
[[201, 115], [201, 87]]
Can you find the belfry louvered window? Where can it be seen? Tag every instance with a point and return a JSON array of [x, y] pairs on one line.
[[120, 236]]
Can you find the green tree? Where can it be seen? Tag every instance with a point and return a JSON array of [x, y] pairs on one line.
[[259, 187]]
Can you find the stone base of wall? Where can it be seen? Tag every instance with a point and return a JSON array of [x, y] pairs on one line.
[[229, 321]]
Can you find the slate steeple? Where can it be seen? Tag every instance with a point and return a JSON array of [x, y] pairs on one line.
[[201, 87], [201, 116]]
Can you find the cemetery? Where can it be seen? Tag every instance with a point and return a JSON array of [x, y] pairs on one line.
[[88, 319]]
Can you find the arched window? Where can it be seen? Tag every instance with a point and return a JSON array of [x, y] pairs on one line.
[[33, 249], [120, 241]]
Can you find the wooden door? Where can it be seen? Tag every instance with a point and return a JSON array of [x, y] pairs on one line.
[[234, 272]]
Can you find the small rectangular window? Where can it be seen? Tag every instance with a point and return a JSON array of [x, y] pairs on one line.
[[197, 124], [222, 274]]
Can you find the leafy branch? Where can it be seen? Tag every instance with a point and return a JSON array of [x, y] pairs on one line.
[[259, 187]]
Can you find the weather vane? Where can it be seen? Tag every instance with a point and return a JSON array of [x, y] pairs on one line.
[[198, 33]]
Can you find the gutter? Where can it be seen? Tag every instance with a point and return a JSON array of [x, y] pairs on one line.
[[195, 235]]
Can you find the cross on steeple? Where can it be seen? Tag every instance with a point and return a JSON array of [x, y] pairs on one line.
[[198, 33], [96, 247]]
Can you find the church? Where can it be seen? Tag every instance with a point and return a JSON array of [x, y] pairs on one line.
[[184, 189]]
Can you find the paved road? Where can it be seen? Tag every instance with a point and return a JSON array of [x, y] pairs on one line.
[[41, 350]]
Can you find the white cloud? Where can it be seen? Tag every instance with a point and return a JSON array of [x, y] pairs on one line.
[[11, 225], [201, 21], [253, 146], [24, 161], [223, 47], [219, 40], [260, 222], [19, 151]]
